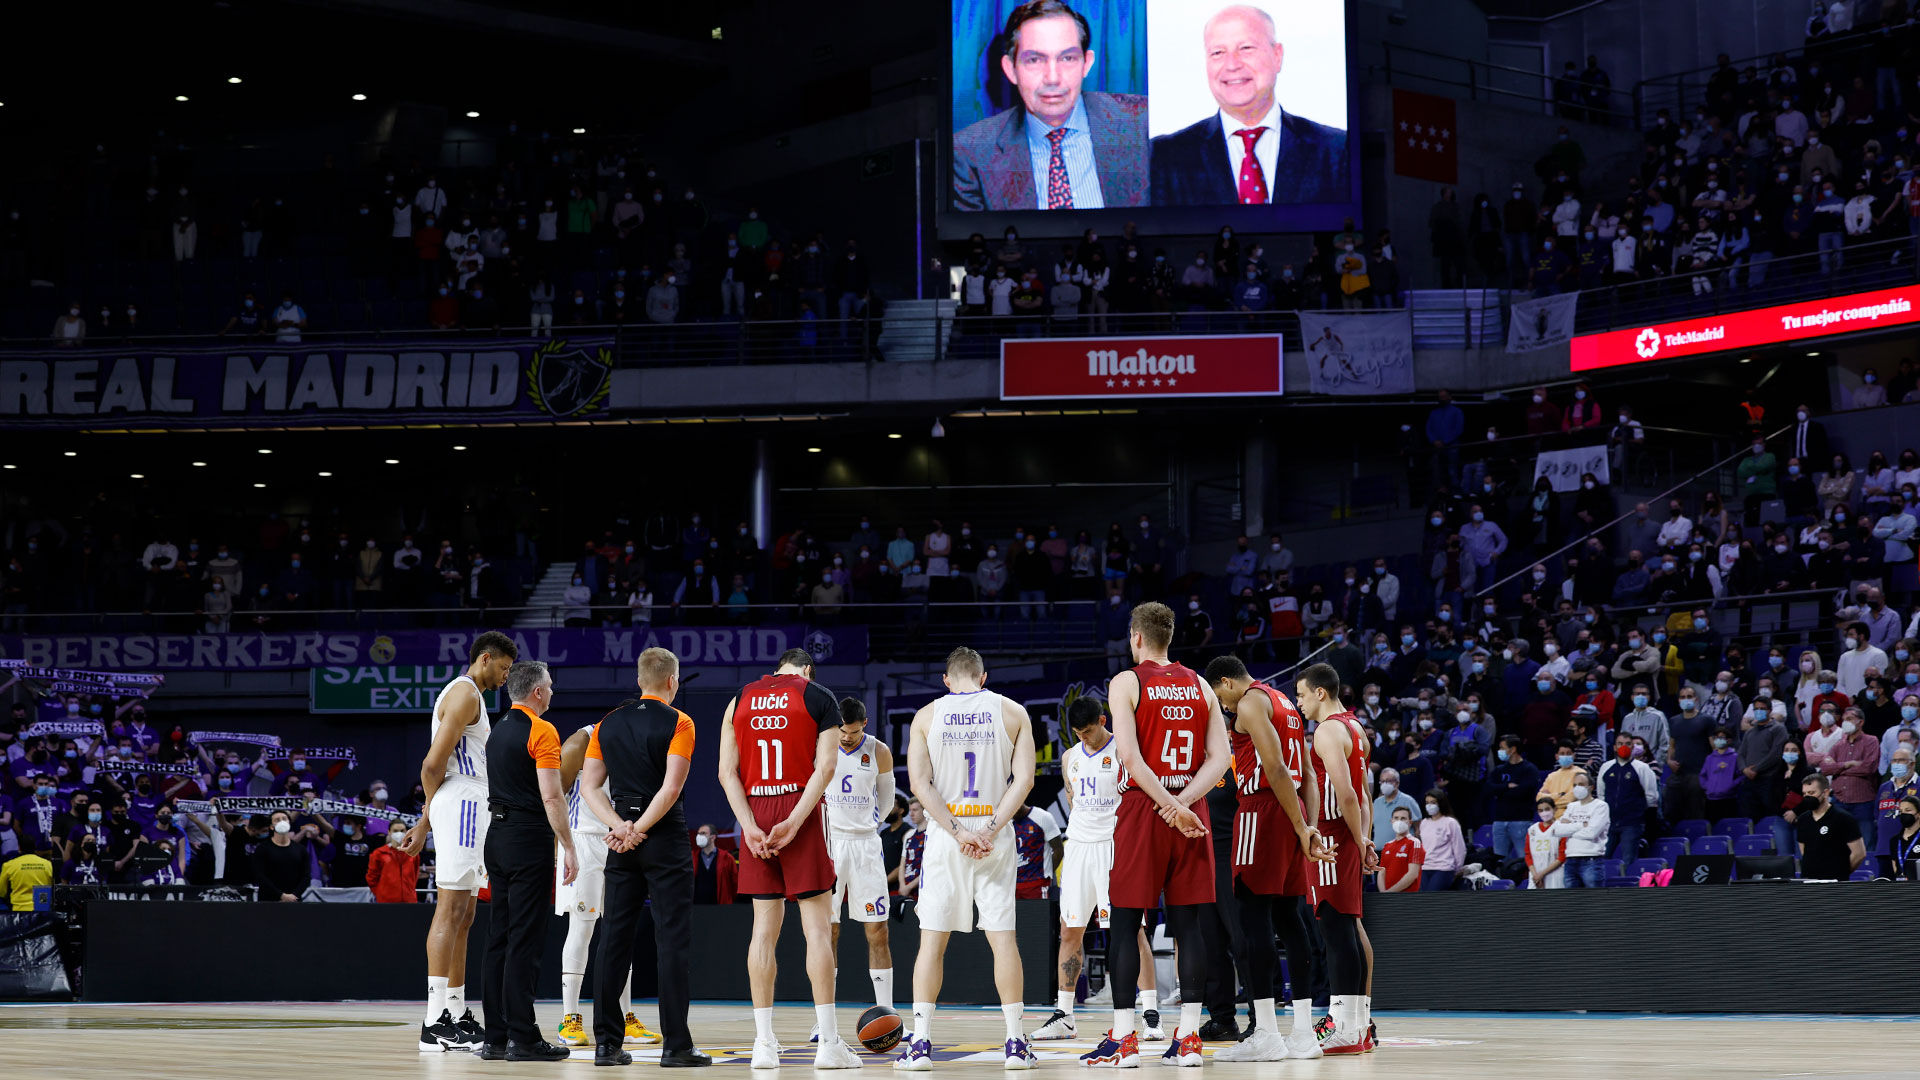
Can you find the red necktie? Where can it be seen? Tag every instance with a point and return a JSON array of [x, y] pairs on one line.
[[1253, 182], [1059, 190]]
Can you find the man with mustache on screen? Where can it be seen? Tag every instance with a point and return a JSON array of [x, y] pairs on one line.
[[1251, 151], [1061, 148]]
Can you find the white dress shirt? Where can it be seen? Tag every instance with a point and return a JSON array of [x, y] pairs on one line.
[[1266, 149]]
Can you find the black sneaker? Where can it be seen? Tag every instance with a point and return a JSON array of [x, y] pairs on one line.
[[611, 1055], [684, 1059], [539, 1051], [441, 1035], [490, 1052], [1219, 1029], [472, 1035]]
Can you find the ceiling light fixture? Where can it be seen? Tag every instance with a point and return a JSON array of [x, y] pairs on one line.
[[810, 450], [259, 485], [179, 97], [233, 80], [359, 97], [473, 114], [324, 472], [393, 461], [893, 435], [199, 464], [71, 453]]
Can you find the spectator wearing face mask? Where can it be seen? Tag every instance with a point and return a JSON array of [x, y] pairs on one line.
[[1544, 851], [1632, 791], [1389, 799], [391, 873], [1648, 724], [1851, 764], [1585, 824], [1850, 670], [1719, 779], [1514, 786], [1762, 736], [716, 873]]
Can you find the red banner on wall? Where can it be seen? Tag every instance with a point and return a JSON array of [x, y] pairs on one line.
[[1426, 141], [1140, 367], [1746, 329]]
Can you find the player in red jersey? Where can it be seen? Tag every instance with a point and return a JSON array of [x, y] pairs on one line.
[[1275, 849], [1340, 759], [1172, 742], [777, 743]]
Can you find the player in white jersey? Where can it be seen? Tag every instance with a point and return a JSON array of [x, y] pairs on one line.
[[583, 900], [970, 762], [1091, 771], [862, 784], [454, 778]]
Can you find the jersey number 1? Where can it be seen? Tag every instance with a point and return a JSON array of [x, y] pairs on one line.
[[972, 790], [778, 757], [1178, 759]]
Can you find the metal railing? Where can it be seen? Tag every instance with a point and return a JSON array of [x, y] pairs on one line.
[[1681, 90], [1500, 84]]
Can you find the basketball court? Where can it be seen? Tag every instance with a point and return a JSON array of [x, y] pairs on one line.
[[247, 1041]]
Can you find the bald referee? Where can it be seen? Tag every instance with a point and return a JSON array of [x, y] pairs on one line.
[[529, 811], [641, 751]]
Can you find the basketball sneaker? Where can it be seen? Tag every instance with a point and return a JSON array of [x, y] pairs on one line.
[[1058, 1026], [1150, 1026], [1344, 1041], [1260, 1045], [1121, 1053], [814, 1035], [1373, 1037], [573, 1031], [766, 1055], [441, 1035], [1019, 1056], [834, 1053], [1304, 1047], [637, 1032], [1323, 1027], [472, 1036], [917, 1057], [1184, 1050]]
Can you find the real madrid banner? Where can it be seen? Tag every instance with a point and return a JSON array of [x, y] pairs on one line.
[[732, 646], [279, 385]]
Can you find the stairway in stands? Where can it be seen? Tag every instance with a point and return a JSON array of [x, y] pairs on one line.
[[910, 332], [545, 597]]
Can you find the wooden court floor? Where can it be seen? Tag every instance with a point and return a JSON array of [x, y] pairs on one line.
[[253, 1041]]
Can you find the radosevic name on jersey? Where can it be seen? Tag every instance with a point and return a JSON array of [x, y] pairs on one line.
[[1180, 692]]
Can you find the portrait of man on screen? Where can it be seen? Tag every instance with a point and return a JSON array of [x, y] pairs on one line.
[[1061, 147], [1250, 150]]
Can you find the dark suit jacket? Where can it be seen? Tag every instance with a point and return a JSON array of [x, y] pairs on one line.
[[1816, 458], [993, 170], [1190, 167]]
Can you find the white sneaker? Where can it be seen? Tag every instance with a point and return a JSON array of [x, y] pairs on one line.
[[1150, 1029], [1262, 1045], [1019, 1056], [813, 1035], [834, 1054], [1304, 1046], [1058, 1026], [766, 1054]]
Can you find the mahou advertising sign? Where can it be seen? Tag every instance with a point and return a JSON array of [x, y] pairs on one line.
[[1140, 367]]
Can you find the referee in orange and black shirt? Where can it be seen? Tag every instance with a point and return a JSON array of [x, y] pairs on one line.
[[529, 811], [641, 751]]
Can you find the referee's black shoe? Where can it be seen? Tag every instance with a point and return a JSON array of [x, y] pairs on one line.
[[540, 1051], [611, 1054], [684, 1059], [492, 1052]]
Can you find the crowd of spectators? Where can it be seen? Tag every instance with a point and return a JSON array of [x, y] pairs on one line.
[[130, 806], [1810, 155], [559, 231]]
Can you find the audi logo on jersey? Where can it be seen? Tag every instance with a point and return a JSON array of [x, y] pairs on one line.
[[1176, 712], [767, 723]]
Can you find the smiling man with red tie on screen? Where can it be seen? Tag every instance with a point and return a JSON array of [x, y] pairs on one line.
[[1250, 152], [1062, 147]]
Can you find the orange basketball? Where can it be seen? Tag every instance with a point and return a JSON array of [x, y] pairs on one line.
[[880, 1029]]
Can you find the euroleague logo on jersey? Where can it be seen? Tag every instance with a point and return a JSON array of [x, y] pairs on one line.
[[767, 723], [866, 760]]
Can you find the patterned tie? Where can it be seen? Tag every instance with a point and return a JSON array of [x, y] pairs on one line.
[[1253, 182], [1059, 191]]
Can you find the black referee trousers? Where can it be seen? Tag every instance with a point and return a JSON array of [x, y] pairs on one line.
[[519, 855], [661, 870], [1230, 945]]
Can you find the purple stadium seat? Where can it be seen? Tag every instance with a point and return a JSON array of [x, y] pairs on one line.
[[1733, 826], [1669, 848], [1645, 866], [1862, 874], [1497, 885], [1713, 845], [1692, 828], [1483, 836], [1753, 844]]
